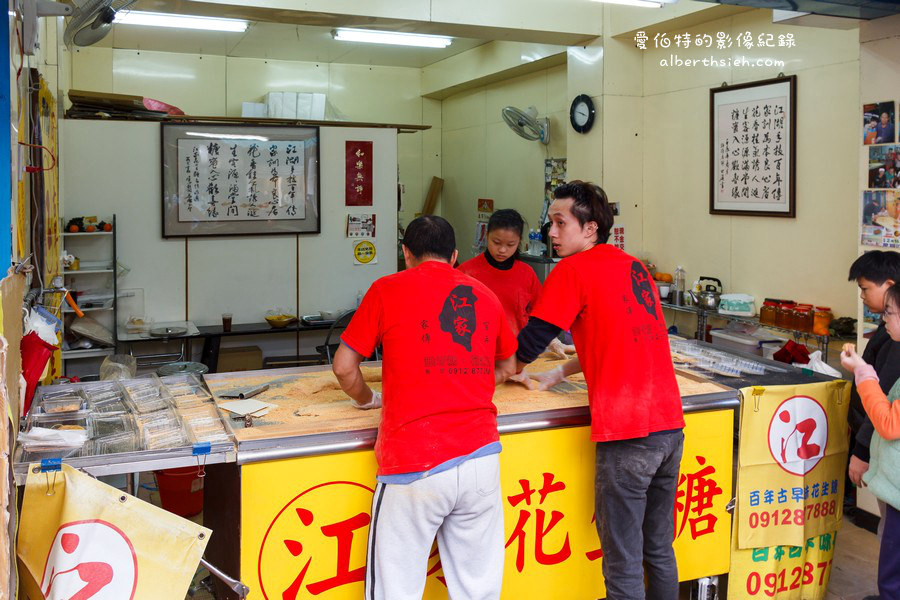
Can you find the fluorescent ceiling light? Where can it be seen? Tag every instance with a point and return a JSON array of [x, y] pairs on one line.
[[390, 37], [151, 19], [641, 3], [227, 136]]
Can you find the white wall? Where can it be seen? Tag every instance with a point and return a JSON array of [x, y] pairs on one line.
[[484, 158], [212, 85], [114, 167]]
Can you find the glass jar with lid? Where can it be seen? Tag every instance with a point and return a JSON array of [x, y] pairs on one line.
[[767, 312], [803, 318], [784, 314], [822, 320]]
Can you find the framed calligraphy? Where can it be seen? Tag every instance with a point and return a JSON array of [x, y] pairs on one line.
[[752, 141], [220, 180]]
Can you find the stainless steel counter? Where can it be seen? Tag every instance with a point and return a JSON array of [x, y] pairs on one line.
[[251, 451], [244, 452]]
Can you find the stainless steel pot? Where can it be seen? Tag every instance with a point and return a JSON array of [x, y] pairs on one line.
[[708, 298]]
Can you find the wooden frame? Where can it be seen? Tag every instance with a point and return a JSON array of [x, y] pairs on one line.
[[752, 111], [279, 198]]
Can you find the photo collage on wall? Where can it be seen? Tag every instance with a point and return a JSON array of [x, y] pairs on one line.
[[880, 202]]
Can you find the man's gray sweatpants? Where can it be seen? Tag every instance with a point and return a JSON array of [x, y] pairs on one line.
[[462, 506]]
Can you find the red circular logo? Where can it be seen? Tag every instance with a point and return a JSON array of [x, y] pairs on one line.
[[798, 434]]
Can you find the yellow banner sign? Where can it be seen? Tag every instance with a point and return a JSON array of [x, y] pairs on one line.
[[305, 521], [783, 572], [82, 539], [793, 454]]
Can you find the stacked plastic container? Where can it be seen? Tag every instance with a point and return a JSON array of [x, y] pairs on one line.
[[122, 416]]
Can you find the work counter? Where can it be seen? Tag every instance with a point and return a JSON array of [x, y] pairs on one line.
[[289, 498], [291, 515]]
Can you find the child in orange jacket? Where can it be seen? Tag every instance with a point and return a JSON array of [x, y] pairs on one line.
[[883, 476]]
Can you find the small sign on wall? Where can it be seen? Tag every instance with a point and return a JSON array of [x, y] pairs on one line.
[[361, 225], [358, 174], [364, 253], [618, 237]]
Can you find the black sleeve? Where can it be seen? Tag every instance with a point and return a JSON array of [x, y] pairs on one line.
[[533, 339], [863, 441]]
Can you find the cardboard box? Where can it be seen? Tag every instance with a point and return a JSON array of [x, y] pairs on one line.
[[239, 358], [289, 105], [275, 105], [254, 110], [304, 105], [317, 111]]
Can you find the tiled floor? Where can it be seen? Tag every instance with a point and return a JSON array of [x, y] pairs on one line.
[[855, 567]]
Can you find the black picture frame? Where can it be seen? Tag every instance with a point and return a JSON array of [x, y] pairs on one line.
[[738, 97], [174, 223]]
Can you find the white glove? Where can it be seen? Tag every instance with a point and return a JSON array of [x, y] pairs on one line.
[[525, 379], [560, 350], [555, 349], [374, 402], [548, 379]]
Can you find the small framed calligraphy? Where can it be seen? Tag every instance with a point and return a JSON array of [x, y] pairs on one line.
[[222, 180], [752, 138]]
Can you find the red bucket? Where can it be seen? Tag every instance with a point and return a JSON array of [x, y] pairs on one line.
[[181, 490]]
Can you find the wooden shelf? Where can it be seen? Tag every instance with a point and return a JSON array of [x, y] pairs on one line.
[[85, 233]]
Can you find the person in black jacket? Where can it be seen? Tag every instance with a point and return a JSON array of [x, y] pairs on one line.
[[874, 272]]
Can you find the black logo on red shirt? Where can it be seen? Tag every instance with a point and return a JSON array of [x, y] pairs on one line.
[[642, 286], [458, 315]]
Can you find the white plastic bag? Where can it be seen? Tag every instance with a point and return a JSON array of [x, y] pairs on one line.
[[44, 324], [818, 365]]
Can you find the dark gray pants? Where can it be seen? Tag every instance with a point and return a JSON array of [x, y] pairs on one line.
[[634, 499]]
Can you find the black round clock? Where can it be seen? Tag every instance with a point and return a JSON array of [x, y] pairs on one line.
[[581, 115]]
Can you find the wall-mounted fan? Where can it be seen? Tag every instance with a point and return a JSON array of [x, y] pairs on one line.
[[527, 124], [92, 20], [30, 11]]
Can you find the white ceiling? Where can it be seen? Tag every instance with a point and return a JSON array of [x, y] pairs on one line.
[[281, 42]]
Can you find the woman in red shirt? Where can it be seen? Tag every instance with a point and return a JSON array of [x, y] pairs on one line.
[[500, 269]]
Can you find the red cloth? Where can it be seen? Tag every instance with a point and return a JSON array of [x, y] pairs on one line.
[[612, 306], [441, 332], [35, 354], [792, 352], [518, 288], [159, 105]]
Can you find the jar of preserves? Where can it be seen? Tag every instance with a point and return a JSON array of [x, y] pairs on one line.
[[767, 312], [821, 320], [784, 314], [803, 318]]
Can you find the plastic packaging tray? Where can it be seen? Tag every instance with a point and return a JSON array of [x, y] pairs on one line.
[[80, 420], [116, 424]]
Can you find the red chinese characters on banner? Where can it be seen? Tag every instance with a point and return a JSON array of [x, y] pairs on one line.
[[696, 492], [358, 174], [320, 540], [542, 525], [299, 532]]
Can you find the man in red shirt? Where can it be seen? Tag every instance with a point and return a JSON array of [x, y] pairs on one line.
[[446, 344], [608, 299]]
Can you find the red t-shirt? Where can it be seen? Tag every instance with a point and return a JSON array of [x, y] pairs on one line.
[[441, 332], [609, 301], [517, 288]]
